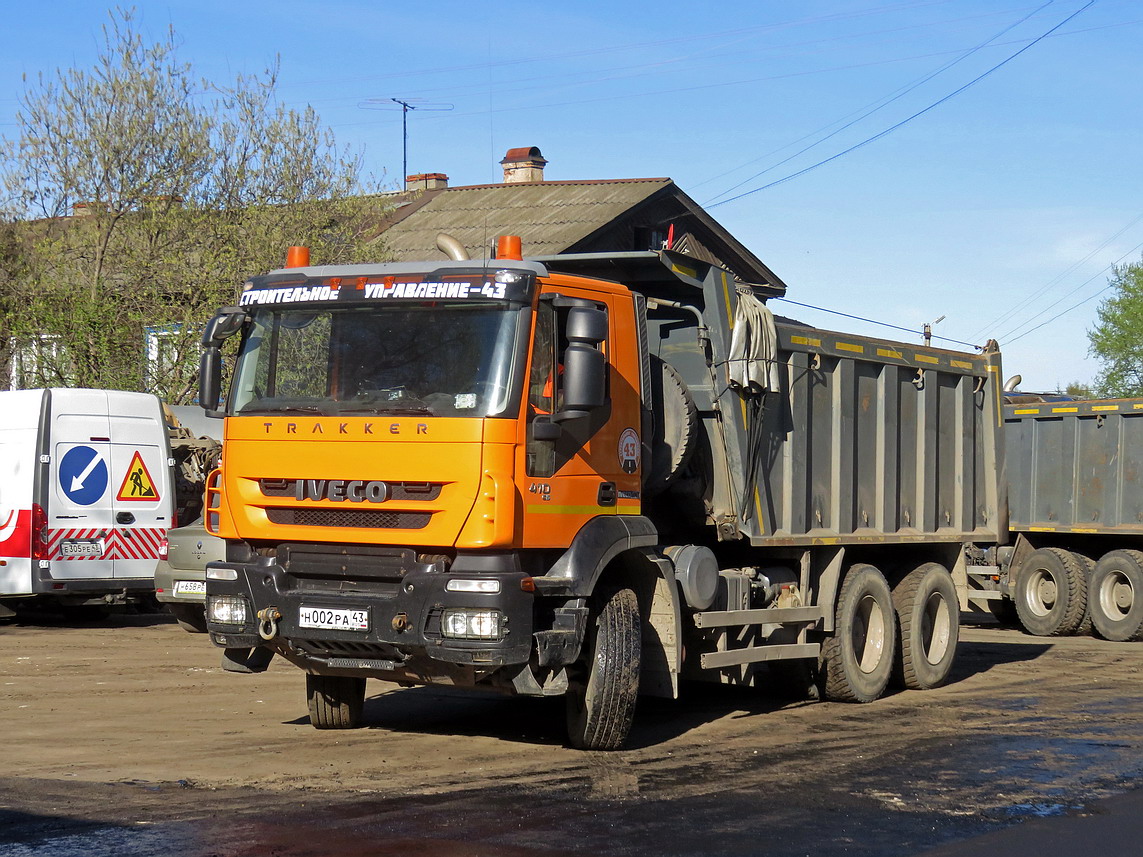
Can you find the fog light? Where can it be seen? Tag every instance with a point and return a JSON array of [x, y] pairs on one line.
[[472, 624], [226, 609]]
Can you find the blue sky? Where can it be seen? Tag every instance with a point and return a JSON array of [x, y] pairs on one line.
[[997, 207]]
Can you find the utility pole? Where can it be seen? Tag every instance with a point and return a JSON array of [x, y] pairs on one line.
[[406, 106]]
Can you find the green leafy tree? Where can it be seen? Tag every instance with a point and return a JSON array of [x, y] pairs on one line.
[[1117, 338], [145, 196], [1080, 390]]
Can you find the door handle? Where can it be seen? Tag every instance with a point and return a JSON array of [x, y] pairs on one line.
[[125, 518], [607, 494]]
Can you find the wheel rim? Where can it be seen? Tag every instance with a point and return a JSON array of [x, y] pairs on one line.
[[869, 634], [936, 629], [1042, 592], [1116, 595]]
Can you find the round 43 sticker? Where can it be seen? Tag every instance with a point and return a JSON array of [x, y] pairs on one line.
[[629, 450]]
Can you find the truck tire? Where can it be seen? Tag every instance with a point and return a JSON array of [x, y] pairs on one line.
[[1088, 566], [335, 701], [928, 621], [189, 616], [675, 427], [856, 662], [1116, 596], [1051, 593], [601, 696]]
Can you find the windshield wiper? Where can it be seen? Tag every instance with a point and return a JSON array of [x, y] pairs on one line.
[[286, 409], [400, 411]]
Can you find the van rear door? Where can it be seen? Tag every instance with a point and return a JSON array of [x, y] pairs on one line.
[[79, 510], [140, 493]]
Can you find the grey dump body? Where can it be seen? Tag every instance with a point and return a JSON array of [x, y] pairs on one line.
[[1077, 511], [1074, 468], [864, 442]]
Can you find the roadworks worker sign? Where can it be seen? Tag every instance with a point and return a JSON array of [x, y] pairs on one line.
[[137, 483]]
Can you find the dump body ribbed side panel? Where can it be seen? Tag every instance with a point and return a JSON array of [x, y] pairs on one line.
[[1076, 466], [870, 440]]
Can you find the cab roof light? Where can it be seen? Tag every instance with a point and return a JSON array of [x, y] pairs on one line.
[[298, 257]]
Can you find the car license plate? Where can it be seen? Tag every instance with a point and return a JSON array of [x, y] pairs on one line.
[[81, 548], [190, 587], [338, 620]]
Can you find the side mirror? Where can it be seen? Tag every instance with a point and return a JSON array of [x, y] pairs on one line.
[[585, 366], [227, 322], [210, 380]]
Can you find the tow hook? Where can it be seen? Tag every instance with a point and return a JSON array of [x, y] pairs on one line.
[[268, 622]]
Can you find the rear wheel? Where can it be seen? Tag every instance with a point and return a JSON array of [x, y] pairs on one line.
[[335, 701], [928, 618], [602, 694], [189, 616], [1051, 593], [1116, 596], [857, 661]]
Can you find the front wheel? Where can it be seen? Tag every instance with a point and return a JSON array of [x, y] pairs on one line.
[[335, 702], [1116, 596], [1051, 593], [928, 616], [601, 697], [857, 661]]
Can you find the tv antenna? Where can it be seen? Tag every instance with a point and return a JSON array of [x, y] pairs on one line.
[[405, 105]]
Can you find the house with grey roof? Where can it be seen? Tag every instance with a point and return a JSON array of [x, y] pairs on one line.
[[557, 217]]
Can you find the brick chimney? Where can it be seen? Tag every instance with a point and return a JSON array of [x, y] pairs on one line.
[[426, 181], [525, 164]]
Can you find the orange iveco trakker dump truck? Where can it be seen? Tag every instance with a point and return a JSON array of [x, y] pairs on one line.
[[586, 475]]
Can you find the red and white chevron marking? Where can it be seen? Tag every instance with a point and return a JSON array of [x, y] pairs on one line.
[[133, 543]]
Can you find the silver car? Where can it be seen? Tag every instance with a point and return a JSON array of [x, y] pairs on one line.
[[180, 579]]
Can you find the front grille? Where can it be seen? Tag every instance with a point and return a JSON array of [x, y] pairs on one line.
[[363, 518], [401, 491]]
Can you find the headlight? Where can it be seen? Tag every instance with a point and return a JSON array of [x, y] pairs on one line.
[[226, 609], [472, 624]]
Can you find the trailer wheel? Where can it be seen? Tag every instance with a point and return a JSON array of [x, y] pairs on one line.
[[601, 696], [1116, 596], [1088, 566], [857, 661], [1051, 593], [928, 618], [189, 616], [335, 701]]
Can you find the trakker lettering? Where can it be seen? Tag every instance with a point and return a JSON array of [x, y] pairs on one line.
[[344, 428], [340, 490]]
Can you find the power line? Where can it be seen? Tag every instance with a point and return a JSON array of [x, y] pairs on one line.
[[885, 102], [1006, 316], [874, 321], [908, 119], [1078, 303]]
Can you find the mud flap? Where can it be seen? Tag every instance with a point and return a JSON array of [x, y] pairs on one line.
[[247, 660]]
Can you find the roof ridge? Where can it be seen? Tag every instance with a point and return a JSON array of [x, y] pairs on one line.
[[564, 182]]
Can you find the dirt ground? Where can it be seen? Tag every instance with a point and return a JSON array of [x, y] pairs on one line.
[[125, 736]]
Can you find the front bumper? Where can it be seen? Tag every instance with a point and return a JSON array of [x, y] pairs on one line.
[[403, 597]]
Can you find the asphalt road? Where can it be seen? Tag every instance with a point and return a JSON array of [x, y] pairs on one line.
[[126, 738]]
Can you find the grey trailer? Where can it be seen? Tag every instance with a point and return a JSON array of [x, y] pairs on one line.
[[1076, 507]]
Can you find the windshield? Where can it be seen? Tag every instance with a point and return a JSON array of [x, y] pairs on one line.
[[432, 358]]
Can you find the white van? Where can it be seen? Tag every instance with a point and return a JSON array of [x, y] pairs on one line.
[[85, 494]]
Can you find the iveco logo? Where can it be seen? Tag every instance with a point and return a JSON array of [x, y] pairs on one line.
[[340, 490]]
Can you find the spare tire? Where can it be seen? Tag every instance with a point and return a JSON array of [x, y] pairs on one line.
[[674, 419]]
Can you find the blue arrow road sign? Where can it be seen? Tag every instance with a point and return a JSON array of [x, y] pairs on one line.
[[83, 475]]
